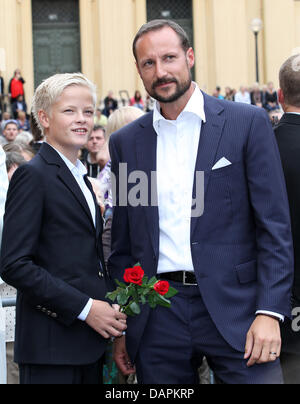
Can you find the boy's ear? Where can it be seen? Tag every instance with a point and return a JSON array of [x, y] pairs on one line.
[[43, 118]]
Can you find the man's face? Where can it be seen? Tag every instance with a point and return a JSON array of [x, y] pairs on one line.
[[96, 141], [163, 65], [70, 120], [10, 132]]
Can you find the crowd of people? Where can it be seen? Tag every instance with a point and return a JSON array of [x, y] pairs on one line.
[[261, 96], [64, 240]]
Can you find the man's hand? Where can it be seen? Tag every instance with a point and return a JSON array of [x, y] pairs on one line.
[[121, 357], [107, 321], [263, 341]]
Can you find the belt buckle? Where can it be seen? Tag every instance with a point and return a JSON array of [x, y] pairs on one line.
[[185, 283]]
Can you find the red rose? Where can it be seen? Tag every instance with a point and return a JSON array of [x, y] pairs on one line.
[[162, 287], [134, 275]]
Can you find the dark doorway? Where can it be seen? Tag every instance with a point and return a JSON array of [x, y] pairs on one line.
[[56, 38]]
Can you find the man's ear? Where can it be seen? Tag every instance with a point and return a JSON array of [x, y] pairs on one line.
[[280, 97], [43, 118], [190, 57]]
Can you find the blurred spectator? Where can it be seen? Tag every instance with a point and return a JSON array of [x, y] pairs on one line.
[[217, 93], [117, 120], [13, 161], [16, 87], [38, 137], [11, 164], [24, 138], [23, 149], [1, 85], [149, 103], [23, 122], [110, 104], [229, 96], [95, 142], [1, 95], [3, 187], [137, 101], [6, 116], [19, 105], [3, 191], [100, 119], [275, 117], [10, 132], [242, 96], [257, 97], [271, 99]]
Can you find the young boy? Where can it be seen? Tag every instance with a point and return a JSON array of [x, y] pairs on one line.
[[52, 250]]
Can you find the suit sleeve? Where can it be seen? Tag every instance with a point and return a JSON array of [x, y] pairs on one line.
[[23, 221], [268, 197], [120, 257]]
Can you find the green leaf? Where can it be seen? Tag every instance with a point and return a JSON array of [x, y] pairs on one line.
[[122, 297], [111, 296], [129, 312], [152, 300], [171, 293], [145, 280], [135, 308], [152, 281], [143, 299], [121, 284]]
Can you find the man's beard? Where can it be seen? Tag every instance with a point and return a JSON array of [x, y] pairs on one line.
[[181, 89]]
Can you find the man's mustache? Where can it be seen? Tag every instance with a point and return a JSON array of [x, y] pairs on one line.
[[159, 82]]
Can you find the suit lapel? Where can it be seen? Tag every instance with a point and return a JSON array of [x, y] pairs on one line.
[[146, 146], [210, 136]]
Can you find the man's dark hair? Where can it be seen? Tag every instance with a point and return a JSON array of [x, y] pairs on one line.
[[98, 127], [156, 25], [289, 78]]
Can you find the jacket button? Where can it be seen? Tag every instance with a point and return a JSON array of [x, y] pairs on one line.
[[54, 315], [101, 274], [44, 310], [39, 307]]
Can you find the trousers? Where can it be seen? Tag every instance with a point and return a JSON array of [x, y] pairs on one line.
[[60, 374], [176, 339]]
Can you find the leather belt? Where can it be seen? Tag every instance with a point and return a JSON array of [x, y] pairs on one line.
[[185, 277]]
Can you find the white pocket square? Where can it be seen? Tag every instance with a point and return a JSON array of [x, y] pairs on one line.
[[221, 163]]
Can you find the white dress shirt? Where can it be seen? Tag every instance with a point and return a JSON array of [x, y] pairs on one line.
[[177, 149], [79, 171]]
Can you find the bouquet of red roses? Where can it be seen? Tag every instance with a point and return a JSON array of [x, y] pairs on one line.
[[140, 290]]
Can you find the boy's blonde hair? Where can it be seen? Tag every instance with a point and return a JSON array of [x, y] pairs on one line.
[[51, 89]]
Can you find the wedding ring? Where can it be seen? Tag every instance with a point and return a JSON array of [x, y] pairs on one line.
[[273, 353]]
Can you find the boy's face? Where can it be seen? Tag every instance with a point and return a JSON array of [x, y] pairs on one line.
[[71, 119]]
